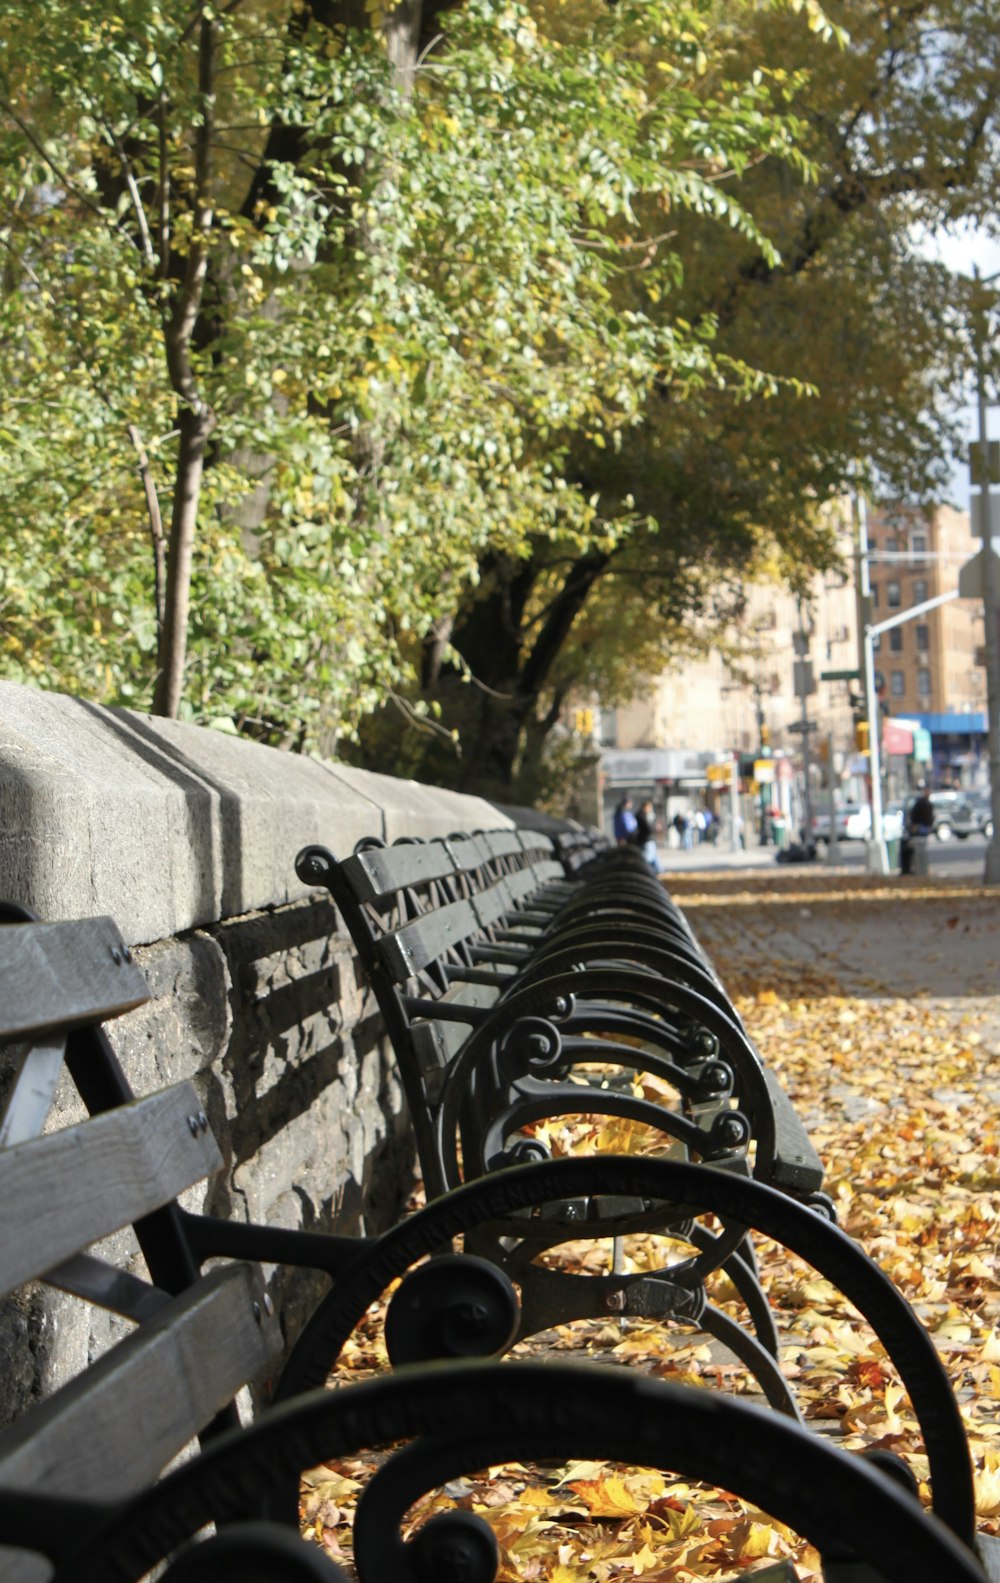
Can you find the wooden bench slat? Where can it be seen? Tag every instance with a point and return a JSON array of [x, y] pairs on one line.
[[797, 1166], [425, 939], [121, 1165], [115, 1427], [436, 1042], [379, 871], [501, 843], [62, 975]]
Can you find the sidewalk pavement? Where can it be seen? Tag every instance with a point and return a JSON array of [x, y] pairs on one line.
[[680, 860]]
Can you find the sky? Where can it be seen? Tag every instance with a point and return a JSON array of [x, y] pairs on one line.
[[961, 253]]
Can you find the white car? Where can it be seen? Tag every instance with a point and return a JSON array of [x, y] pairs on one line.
[[853, 822], [893, 821]]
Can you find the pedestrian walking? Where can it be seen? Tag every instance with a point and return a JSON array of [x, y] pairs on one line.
[[625, 824], [646, 834]]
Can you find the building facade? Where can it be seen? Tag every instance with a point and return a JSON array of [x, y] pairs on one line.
[[786, 684], [930, 670]]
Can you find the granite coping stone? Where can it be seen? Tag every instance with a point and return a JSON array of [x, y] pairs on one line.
[[169, 826]]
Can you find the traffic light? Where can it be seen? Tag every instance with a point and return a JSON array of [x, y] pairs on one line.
[[861, 735], [583, 721]]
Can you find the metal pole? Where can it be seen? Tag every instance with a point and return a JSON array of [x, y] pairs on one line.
[[734, 803], [804, 674], [876, 857], [832, 845], [991, 592]]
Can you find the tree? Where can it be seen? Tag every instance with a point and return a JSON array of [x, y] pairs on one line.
[[352, 288], [711, 488]]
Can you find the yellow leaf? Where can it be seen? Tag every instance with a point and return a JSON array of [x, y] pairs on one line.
[[610, 1497]]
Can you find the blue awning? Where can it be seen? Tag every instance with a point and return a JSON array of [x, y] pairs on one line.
[[951, 724]]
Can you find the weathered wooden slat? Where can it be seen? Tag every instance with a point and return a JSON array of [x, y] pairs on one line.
[[436, 1042], [523, 883], [379, 871], [61, 975], [493, 904], [115, 1427], [797, 1166], [427, 938], [470, 853], [89, 1180], [502, 843], [535, 841]]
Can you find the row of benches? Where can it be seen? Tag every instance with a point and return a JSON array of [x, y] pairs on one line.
[[525, 990]]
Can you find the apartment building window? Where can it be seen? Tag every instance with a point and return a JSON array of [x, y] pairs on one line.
[[924, 682], [923, 637], [896, 640], [879, 682], [893, 596], [874, 596], [897, 684], [918, 546], [919, 592]]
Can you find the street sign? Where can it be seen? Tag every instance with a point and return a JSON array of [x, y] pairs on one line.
[[990, 472], [976, 514], [803, 680], [840, 676], [763, 771], [718, 774], [922, 746], [801, 727], [970, 578], [897, 738]]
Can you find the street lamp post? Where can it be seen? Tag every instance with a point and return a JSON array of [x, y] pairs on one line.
[[991, 580]]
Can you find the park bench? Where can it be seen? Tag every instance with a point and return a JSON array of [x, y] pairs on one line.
[[80, 1473], [516, 998]]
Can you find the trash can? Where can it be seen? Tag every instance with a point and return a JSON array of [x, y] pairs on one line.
[[919, 863], [913, 855], [892, 852]]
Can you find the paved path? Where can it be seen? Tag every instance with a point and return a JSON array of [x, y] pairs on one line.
[[808, 929]]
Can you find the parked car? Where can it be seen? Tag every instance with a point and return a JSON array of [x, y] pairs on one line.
[[973, 815], [853, 822], [953, 815], [893, 820], [982, 804]]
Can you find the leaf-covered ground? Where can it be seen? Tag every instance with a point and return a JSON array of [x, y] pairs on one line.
[[877, 1003]]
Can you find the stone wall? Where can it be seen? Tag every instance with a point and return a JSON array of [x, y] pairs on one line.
[[187, 838]]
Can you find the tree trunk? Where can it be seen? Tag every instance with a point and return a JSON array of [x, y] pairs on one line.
[[195, 428], [513, 670], [196, 419]]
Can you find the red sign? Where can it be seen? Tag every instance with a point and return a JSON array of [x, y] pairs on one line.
[[896, 738]]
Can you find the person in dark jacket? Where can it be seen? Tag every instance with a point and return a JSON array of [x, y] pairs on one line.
[[645, 834]]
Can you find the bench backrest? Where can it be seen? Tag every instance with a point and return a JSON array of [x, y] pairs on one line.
[[196, 1339]]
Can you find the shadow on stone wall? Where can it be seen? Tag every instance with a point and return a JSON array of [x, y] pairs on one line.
[[267, 1017]]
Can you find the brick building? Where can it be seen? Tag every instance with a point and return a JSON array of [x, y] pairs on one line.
[[931, 669]]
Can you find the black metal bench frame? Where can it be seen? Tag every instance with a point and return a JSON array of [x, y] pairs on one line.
[[454, 1416]]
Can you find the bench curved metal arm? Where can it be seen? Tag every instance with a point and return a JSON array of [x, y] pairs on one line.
[[701, 1188], [461, 1417], [609, 986]]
